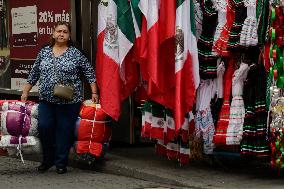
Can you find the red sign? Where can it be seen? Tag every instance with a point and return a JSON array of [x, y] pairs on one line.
[[29, 31]]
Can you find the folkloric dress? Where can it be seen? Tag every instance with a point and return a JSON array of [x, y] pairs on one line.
[[204, 125], [249, 31], [207, 59], [237, 111]]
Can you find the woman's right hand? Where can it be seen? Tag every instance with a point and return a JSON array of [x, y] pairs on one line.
[[24, 96], [26, 91]]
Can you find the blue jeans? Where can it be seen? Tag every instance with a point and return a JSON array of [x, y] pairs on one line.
[[56, 124]]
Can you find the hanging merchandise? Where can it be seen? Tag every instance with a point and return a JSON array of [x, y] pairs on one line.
[[221, 45], [237, 110], [187, 117], [277, 130], [158, 124], [262, 15], [3, 24], [235, 32], [221, 7], [249, 30], [223, 122], [254, 141], [207, 59], [276, 40], [276, 75], [204, 124]]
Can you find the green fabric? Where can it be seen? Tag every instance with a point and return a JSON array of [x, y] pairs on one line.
[[192, 18], [137, 12], [125, 20], [179, 2], [262, 13]]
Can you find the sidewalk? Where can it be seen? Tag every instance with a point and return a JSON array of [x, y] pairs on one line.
[[143, 163]]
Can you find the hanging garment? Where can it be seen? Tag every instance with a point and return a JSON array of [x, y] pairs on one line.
[[262, 15], [204, 125], [237, 110], [249, 30], [254, 142], [207, 60], [235, 33], [223, 122], [217, 104], [204, 129], [221, 7], [221, 45]]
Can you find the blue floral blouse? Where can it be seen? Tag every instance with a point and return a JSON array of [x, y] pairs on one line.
[[68, 67]]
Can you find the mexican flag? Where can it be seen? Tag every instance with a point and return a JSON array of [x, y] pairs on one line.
[[186, 61], [164, 77], [117, 75], [149, 37], [137, 22], [157, 49]]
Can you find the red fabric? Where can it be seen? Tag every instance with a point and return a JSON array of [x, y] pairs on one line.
[[143, 50], [184, 158], [266, 60], [223, 122], [92, 131], [93, 148], [146, 129], [108, 78], [184, 92], [172, 152], [113, 90], [221, 44], [184, 135], [171, 133], [167, 20], [157, 133], [163, 73], [161, 149], [96, 149]]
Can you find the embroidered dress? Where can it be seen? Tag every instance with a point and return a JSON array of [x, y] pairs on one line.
[[249, 31], [204, 125], [262, 14], [217, 104], [237, 110], [254, 141], [235, 33], [207, 60], [205, 129], [221, 7], [222, 124], [221, 45]]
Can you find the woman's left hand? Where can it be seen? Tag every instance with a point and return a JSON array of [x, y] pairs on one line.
[[95, 98]]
